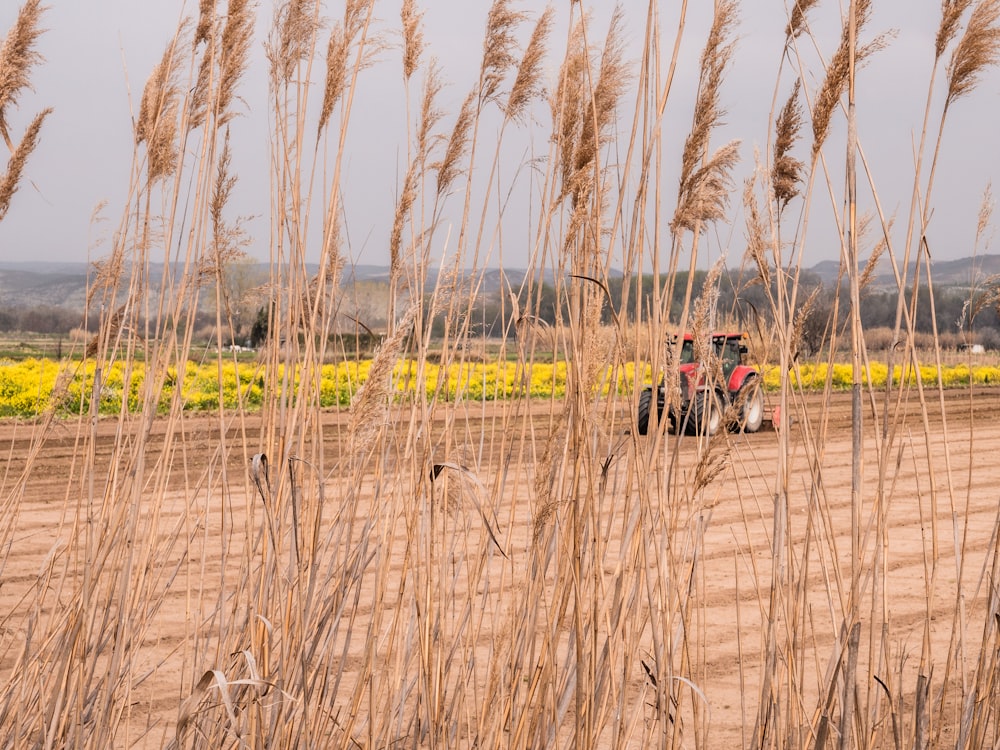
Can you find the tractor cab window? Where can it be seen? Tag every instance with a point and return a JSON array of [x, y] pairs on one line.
[[730, 355], [687, 352]]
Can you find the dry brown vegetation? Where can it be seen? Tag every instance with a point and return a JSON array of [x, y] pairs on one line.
[[533, 573]]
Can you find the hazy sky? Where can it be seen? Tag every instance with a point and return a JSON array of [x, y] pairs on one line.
[[98, 55]]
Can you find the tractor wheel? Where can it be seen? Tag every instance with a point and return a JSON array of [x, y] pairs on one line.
[[751, 401], [705, 415], [645, 405]]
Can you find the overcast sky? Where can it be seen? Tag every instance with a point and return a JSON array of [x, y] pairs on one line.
[[98, 56]]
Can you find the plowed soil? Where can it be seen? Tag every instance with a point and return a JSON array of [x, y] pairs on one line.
[[940, 502]]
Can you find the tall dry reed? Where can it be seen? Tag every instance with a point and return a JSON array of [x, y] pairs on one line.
[[431, 570]]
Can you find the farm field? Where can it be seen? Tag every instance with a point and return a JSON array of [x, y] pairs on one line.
[[207, 511]]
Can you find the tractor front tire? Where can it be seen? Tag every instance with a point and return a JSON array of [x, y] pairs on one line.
[[645, 406], [751, 402], [705, 415]]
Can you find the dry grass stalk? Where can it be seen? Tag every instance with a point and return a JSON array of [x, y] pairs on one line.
[[17, 56], [977, 50], [413, 37], [499, 46], [15, 167], [528, 81], [786, 170], [370, 405]]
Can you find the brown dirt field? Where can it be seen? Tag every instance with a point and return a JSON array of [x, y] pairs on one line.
[[735, 514]]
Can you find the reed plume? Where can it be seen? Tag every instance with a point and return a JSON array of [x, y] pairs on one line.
[[206, 22], [236, 38], [369, 408], [706, 194], [528, 81], [797, 20], [566, 116], [15, 167], [599, 112], [458, 144], [786, 170], [835, 80], [17, 56], [338, 53], [978, 49], [951, 14], [413, 37], [403, 206], [499, 46], [756, 244], [157, 123], [336, 73], [708, 112], [290, 44], [704, 183], [430, 115]]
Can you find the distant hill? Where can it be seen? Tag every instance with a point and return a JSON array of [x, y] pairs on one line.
[[962, 272], [34, 283]]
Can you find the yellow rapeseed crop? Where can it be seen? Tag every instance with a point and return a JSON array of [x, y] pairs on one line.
[[32, 386]]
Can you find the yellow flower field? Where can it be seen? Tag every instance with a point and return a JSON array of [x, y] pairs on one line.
[[29, 387]]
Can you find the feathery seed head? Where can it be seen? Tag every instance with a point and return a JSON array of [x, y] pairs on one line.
[[706, 194], [527, 83], [158, 110], [951, 15], [837, 72], [291, 38], [707, 112], [206, 21], [498, 47], [797, 21], [413, 37], [336, 73], [977, 50], [756, 245], [237, 36], [448, 169], [786, 170], [17, 56], [15, 167]]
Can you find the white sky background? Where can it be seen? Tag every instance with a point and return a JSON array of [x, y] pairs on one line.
[[98, 56]]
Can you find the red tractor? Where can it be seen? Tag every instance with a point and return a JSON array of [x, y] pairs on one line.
[[723, 388]]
